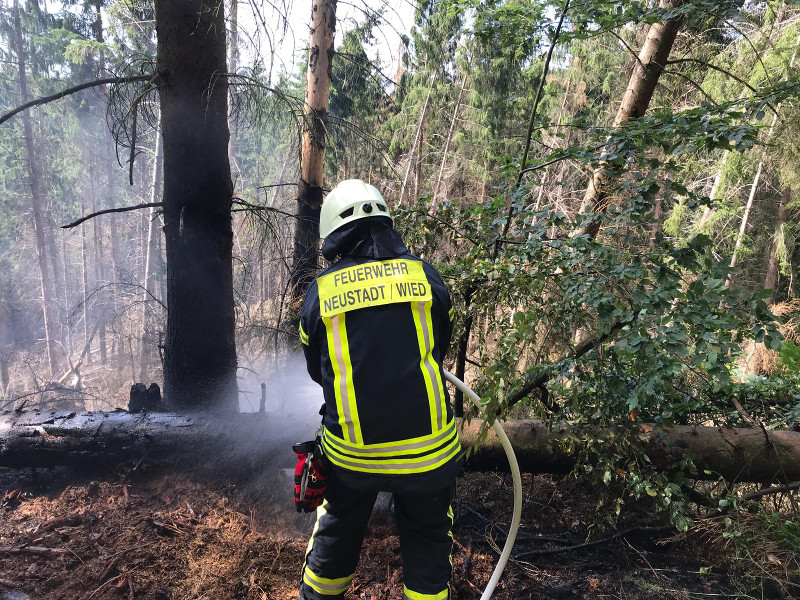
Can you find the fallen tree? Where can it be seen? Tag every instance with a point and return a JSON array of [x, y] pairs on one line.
[[250, 441]]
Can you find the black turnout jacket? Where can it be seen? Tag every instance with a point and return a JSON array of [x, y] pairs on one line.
[[375, 327]]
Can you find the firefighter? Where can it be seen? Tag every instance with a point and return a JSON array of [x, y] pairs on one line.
[[375, 327]]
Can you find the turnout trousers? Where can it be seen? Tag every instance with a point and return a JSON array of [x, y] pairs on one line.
[[424, 523]]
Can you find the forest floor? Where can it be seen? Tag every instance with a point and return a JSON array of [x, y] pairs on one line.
[[159, 536]]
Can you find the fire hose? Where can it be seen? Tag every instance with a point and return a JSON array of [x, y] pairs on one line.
[[516, 477]]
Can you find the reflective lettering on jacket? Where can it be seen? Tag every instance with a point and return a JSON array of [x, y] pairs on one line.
[[372, 284]]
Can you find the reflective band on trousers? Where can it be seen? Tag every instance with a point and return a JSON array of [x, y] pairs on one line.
[[323, 585], [414, 445], [411, 595]]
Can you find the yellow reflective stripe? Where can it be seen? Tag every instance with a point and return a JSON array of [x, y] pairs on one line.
[[411, 595], [411, 446], [373, 283], [452, 314], [430, 371], [322, 510], [339, 351], [352, 408], [332, 328], [400, 466], [392, 460], [437, 372], [303, 334], [323, 585]]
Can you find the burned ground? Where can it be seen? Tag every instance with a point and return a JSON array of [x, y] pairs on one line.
[[160, 536]]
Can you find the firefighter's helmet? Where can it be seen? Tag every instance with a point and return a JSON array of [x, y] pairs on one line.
[[350, 201]]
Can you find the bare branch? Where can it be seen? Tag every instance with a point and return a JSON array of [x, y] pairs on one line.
[[72, 90], [112, 210]]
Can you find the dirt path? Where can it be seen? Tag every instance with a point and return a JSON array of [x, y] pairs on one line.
[[160, 537]]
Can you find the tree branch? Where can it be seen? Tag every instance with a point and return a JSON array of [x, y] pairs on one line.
[[112, 210], [724, 72], [248, 206], [580, 349], [72, 90], [775, 489]]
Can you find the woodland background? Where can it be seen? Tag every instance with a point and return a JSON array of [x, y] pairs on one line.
[[609, 189]]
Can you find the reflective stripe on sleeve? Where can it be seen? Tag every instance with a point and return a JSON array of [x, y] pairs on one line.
[[452, 314], [303, 335]]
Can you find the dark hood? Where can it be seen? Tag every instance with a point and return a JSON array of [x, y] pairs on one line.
[[373, 237]]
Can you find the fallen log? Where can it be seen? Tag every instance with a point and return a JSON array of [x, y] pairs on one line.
[[252, 441], [735, 454]]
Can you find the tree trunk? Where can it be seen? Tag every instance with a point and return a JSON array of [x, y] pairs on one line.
[[756, 180], [110, 272], [641, 85], [312, 156], [200, 350], [233, 64], [67, 291], [35, 439], [149, 280], [99, 281], [721, 170], [708, 211], [85, 282], [745, 218], [449, 138], [658, 213], [771, 276], [417, 137], [37, 199]]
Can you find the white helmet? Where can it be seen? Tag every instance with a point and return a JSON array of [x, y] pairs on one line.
[[349, 201]]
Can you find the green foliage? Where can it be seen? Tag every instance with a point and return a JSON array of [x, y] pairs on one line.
[[789, 357]]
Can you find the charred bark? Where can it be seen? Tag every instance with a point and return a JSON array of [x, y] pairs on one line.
[[312, 156], [200, 353], [96, 439]]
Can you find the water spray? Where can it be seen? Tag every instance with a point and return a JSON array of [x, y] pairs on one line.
[[515, 475]]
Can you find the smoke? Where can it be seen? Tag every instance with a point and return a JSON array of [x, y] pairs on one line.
[[290, 392], [264, 454], [291, 415]]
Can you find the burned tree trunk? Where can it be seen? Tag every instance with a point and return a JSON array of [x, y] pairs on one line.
[[312, 157], [646, 72], [105, 439], [200, 353]]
